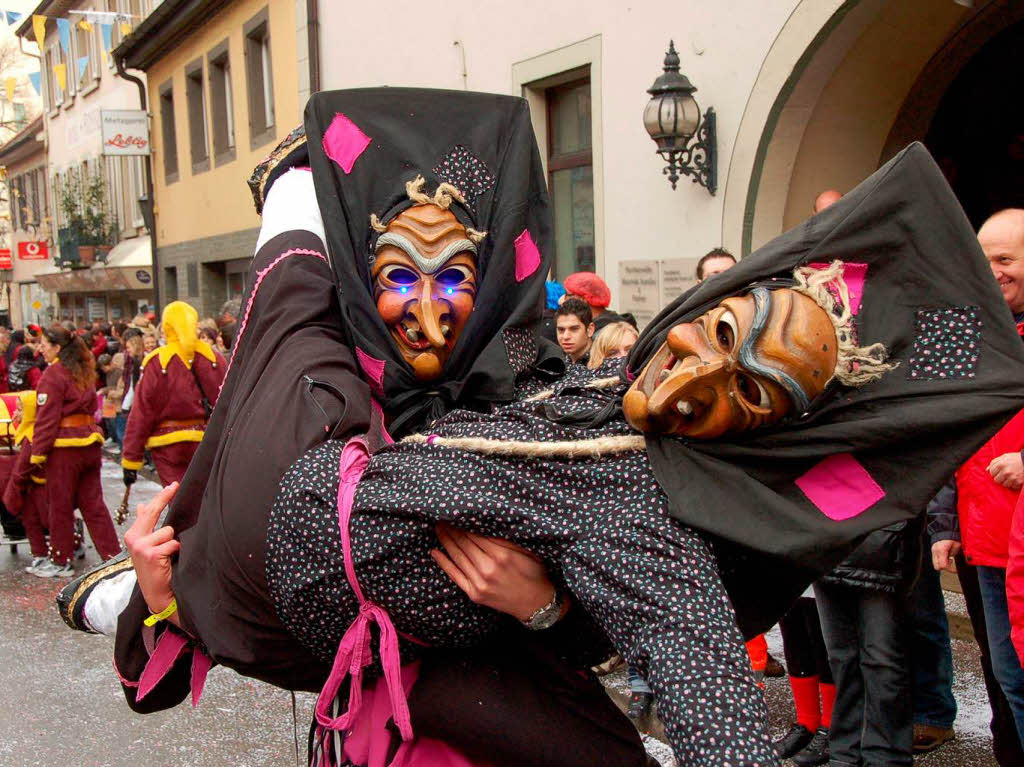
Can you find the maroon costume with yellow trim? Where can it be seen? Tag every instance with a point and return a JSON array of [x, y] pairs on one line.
[[168, 416], [66, 441]]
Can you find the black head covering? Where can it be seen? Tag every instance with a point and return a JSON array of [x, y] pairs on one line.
[[929, 296], [483, 145]]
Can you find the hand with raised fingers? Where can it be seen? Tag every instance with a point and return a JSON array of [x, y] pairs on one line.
[[152, 551], [494, 572]]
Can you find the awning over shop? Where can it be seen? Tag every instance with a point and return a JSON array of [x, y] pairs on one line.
[[129, 266]]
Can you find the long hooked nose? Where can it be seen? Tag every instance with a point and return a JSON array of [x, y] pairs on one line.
[[428, 311], [671, 391]]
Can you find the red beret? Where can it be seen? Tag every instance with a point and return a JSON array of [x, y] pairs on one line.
[[589, 287]]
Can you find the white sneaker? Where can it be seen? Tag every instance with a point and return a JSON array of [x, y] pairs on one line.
[[51, 569], [36, 562]]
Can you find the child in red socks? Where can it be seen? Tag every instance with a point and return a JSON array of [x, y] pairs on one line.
[[810, 678]]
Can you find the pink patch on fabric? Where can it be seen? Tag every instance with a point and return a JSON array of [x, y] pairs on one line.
[[853, 275], [840, 487], [373, 368], [344, 142], [170, 647], [527, 256]]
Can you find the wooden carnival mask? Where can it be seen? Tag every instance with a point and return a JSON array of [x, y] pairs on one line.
[[424, 282], [749, 362]]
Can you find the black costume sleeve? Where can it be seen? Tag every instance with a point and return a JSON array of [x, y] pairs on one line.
[[292, 384]]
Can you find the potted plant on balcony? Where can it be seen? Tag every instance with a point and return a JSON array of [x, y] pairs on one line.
[[88, 228]]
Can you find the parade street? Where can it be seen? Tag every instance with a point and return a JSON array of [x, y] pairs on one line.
[[61, 703]]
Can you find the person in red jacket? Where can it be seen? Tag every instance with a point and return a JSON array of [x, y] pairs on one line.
[[984, 494], [66, 447], [180, 381]]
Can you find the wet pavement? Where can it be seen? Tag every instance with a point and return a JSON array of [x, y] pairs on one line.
[[60, 702]]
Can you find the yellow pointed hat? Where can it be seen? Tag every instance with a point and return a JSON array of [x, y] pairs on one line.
[[180, 323]]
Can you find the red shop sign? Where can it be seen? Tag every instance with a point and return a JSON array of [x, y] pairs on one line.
[[5, 259], [33, 251]]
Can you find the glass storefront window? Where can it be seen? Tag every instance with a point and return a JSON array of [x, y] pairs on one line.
[[571, 177]]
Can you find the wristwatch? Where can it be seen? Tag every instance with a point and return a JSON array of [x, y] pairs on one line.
[[547, 616]]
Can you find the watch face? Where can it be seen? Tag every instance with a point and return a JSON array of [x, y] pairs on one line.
[[546, 616]]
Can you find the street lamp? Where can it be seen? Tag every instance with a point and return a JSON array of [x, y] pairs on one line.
[[672, 117]]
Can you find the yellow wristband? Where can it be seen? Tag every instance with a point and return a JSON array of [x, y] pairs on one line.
[[163, 615]]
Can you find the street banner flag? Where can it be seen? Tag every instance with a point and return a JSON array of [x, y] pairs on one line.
[[107, 30], [60, 71], [83, 62], [64, 31], [126, 28], [9, 84], [83, 24], [39, 26], [12, 18], [36, 78]]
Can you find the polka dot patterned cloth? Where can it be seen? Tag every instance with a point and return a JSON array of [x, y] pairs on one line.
[[601, 525], [521, 347], [946, 344], [466, 172]]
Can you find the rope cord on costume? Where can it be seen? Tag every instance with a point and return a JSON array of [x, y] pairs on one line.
[[599, 383], [856, 365], [583, 448]]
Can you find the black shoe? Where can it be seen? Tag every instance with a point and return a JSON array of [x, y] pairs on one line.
[[773, 669], [815, 752], [640, 706], [793, 741], [72, 598]]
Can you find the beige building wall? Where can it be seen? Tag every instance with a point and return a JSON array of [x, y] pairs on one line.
[[217, 201], [508, 45]]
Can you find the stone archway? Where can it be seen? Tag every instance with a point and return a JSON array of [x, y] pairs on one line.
[[856, 93]]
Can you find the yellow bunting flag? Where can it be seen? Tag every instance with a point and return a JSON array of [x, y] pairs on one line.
[[9, 84], [60, 71], [83, 24], [39, 25], [126, 28]]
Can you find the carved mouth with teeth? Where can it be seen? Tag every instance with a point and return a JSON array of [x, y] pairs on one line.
[[410, 334]]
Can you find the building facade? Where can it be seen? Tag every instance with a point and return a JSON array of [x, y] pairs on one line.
[[223, 92], [809, 95], [100, 267]]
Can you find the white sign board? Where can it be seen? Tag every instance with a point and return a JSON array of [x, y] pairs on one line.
[[677, 276], [639, 290], [125, 132]]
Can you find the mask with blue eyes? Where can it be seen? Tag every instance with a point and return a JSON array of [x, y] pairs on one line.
[[424, 283]]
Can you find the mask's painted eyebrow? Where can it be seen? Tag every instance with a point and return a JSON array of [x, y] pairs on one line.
[[428, 265]]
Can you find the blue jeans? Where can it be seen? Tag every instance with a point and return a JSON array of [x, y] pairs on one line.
[[931, 659], [637, 683], [1005, 664], [120, 422]]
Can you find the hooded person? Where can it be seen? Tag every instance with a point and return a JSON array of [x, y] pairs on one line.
[[25, 491], [178, 388], [838, 378], [292, 360]]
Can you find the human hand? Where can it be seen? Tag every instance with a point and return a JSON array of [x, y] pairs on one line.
[[1008, 470], [151, 552], [493, 572], [943, 553]]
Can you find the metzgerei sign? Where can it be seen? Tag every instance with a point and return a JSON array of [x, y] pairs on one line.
[[125, 131]]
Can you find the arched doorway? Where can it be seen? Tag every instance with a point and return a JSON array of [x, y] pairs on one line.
[[977, 133], [873, 78]]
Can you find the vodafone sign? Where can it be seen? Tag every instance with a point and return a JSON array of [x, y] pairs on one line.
[[33, 251]]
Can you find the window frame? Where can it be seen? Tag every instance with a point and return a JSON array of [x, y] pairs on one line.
[[198, 122], [223, 126], [259, 79], [90, 79], [168, 133]]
